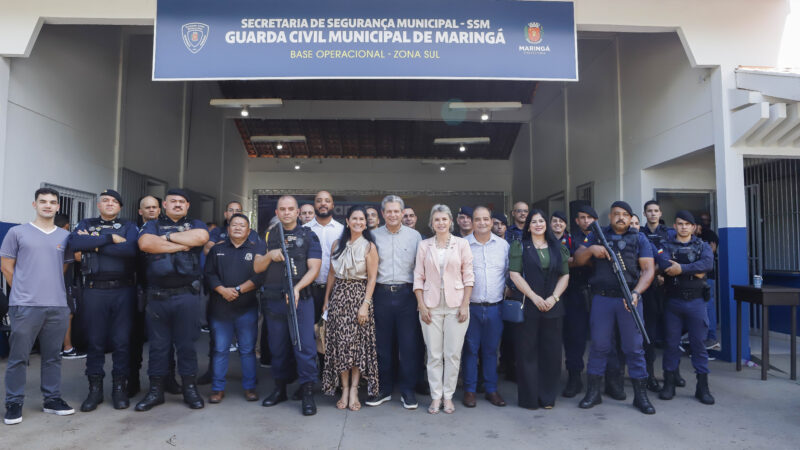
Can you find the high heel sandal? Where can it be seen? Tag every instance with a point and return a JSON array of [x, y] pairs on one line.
[[436, 405], [354, 405], [449, 409]]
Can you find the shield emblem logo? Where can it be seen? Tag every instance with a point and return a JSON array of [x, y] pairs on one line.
[[194, 35], [533, 32]]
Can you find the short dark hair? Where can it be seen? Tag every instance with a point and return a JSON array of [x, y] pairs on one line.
[[60, 220], [650, 202], [239, 215], [44, 191], [475, 209], [232, 202]]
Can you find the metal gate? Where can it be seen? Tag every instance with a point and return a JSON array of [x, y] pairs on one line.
[[77, 205]]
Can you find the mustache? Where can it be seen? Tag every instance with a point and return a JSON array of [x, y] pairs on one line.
[[620, 221]]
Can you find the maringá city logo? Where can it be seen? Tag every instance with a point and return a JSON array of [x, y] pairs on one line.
[[533, 32], [194, 35]]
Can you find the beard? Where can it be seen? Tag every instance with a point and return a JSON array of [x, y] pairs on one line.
[[325, 214]]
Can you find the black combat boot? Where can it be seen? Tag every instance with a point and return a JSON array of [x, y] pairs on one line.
[[668, 391], [171, 385], [574, 384], [190, 395], [594, 383], [119, 393], [298, 394], [702, 392], [134, 386], [615, 385], [277, 396], [154, 397], [95, 396], [309, 408], [679, 381], [652, 382], [640, 399]]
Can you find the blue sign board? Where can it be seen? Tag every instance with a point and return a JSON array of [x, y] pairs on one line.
[[446, 39]]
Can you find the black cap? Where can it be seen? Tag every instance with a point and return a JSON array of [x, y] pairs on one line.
[[466, 210], [560, 215], [587, 209], [501, 217], [112, 193], [179, 192], [622, 204], [686, 215]]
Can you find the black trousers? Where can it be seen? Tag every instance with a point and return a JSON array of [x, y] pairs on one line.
[[653, 312], [108, 317], [173, 321], [538, 343]]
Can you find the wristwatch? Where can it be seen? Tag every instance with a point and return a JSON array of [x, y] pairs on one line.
[[238, 289], [167, 235], [557, 298]]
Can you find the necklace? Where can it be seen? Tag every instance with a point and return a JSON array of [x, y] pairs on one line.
[[446, 245]]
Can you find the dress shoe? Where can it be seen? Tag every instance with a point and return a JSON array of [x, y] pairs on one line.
[[495, 398], [216, 396], [251, 395], [469, 400]]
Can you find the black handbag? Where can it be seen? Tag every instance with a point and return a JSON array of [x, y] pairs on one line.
[[512, 310]]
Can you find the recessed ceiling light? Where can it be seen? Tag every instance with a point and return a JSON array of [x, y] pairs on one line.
[[442, 168], [279, 146], [485, 116], [297, 167], [462, 148], [245, 111]]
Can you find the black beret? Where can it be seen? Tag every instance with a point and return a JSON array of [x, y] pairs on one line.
[[686, 215], [622, 204], [466, 210], [501, 217], [587, 209], [179, 192], [560, 215], [112, 193]]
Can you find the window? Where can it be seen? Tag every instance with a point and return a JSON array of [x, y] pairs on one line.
[[77, 205], [585, 192]]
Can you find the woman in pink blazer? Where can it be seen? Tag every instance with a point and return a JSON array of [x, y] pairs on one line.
[[443, 280]]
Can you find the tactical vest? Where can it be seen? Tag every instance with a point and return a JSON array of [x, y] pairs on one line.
[[684, 254], [626, 246], [658, 237], [180, 268], [98, 266], [297, 245]]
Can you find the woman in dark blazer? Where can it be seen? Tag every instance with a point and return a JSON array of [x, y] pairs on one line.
[[538, 267]]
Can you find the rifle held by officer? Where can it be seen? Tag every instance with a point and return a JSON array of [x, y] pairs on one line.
[[616, 264], [294, 329]]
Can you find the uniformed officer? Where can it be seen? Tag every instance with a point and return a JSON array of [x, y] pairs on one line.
[[173, 244], [608, 307], [576, 305], [305, 255], [215, 236], [653, 297], [107, 247], [686, 305]]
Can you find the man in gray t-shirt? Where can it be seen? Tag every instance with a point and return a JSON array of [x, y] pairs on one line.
[[32, 259]]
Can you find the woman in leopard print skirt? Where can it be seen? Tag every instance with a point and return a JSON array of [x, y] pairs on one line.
[[350, 329]]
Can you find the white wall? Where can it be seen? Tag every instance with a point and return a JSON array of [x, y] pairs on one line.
[[694, 171], [61, 116]]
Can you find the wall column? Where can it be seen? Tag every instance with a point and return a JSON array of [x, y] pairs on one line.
[[5, 77]]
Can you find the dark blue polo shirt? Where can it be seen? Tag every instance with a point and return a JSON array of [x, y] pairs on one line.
[[229, 266]]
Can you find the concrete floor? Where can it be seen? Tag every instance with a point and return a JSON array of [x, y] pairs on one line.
[[749, 414]]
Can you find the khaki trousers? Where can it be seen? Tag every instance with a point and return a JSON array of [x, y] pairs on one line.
[[444, 339]]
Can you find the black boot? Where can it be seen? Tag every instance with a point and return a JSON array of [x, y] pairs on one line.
[[702, 392], [134, 386], [154, 397], [119, 393], [95, 396], [679, 381], [190, 395], [594, 384], [574, 384], [277, 396], [171, 385], [668, 391], [652, 382], [640, 399], [615, 385], [298, 394], [309, 408]]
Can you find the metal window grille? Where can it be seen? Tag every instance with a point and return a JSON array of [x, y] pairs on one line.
[[773, 208], [77, 205], [585, 192]]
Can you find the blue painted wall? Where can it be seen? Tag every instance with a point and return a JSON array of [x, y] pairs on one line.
[[732, 270]]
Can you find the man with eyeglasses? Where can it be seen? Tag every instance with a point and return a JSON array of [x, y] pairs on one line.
[[220, 234], [519, 213]]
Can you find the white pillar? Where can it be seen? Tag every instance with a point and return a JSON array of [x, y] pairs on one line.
[[5, 76]]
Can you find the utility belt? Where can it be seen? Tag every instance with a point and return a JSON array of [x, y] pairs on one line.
[[316, 285], [108, 284], [689, 294], [611, 292], [161, 293], [274, 293]]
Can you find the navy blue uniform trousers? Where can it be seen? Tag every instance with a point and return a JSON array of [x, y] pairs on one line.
[[108, 317], [576, 328], [397, 319], [691, 315], [607, 311], [173, 320], [280, 342]]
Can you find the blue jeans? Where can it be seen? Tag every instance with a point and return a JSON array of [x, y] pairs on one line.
[[245, 328], [711, 308], [483, 338]]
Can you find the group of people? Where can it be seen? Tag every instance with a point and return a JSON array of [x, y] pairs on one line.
[[376, 305]]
